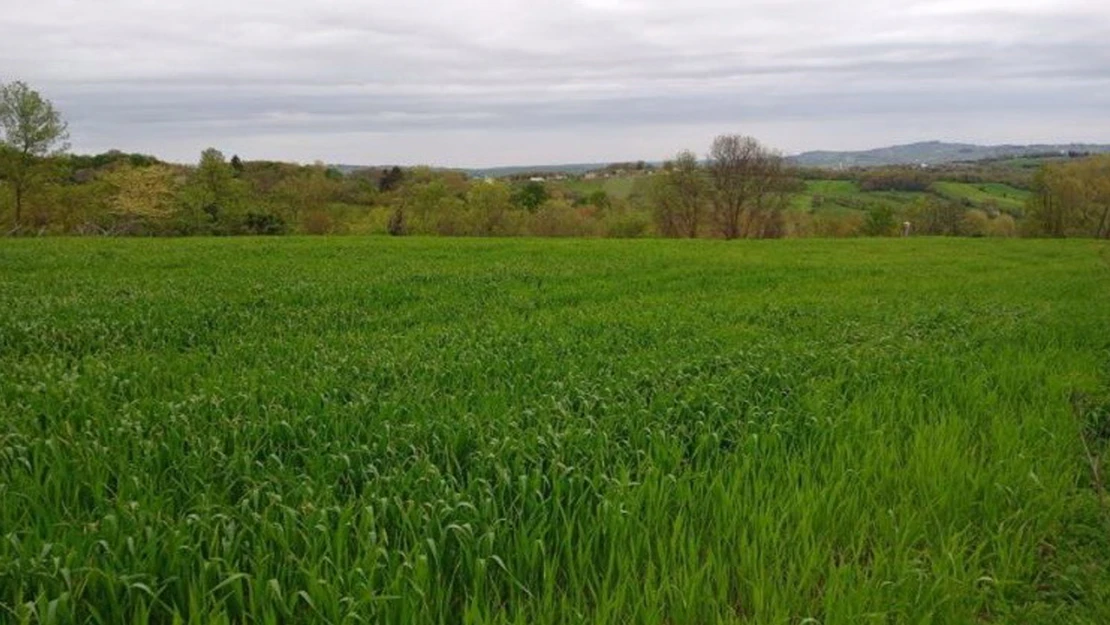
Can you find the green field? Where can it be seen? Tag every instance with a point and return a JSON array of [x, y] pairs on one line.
[[575, 431], [840, 195], [834, 193], [832, 188], [617, 187], [999, 195], [846, 194]]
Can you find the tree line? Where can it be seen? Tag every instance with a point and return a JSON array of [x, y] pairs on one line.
[[739, 189], [1072, 199]]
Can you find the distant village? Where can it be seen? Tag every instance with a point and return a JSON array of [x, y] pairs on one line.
[[614, 170]]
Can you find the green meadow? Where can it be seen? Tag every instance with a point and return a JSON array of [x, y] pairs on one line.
[[847, 195], [837, 196], [998, 195], [617, 187], [374, 430]]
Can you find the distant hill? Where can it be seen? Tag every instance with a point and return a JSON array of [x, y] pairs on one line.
[[499, 172], [927, 152], [936, 152]]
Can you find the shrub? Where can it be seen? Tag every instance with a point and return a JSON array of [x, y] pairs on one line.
[[829, 224], [975, 223], [396, 225], [628, 225], [318, 222], [879, 222], [557, 218], [1002, 226], [264, 223]]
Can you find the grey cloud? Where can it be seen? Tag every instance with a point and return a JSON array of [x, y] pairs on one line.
[[295, 80]]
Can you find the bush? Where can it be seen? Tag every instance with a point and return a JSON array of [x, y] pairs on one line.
[[975, 223], [628, 225], [829, 224], [370, 221], [880, 222], [264, 223], [318, 222], [451, 221], [1002, 226], [396, 225], [557, 218], [798, 223]]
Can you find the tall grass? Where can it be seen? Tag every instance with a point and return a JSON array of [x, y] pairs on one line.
[[474, 431]]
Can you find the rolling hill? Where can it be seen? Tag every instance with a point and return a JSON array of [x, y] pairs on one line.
[[936, 152]]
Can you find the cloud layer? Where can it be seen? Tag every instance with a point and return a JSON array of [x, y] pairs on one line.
[[480, 82]]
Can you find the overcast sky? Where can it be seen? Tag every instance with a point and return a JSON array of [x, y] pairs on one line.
[[488, 82]]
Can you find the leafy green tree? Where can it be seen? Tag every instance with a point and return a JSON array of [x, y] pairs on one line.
[[531, 196], [358, 187], [421, 199], [212, 196], [82, 164], [391, 179], [141, 195], [664, 202], [80, 208], [557, 218], [1072, 199], [679, 194], [599, 199], [32, 129], [490, 203], [306, 192]]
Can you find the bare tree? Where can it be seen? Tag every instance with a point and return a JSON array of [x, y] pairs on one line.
[[750, 185], [32, 129], [770, 194]]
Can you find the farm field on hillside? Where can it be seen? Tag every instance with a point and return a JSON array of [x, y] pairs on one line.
[[846, 194], [406, 430], [617, 187], [839, 195], [1000, 195]]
